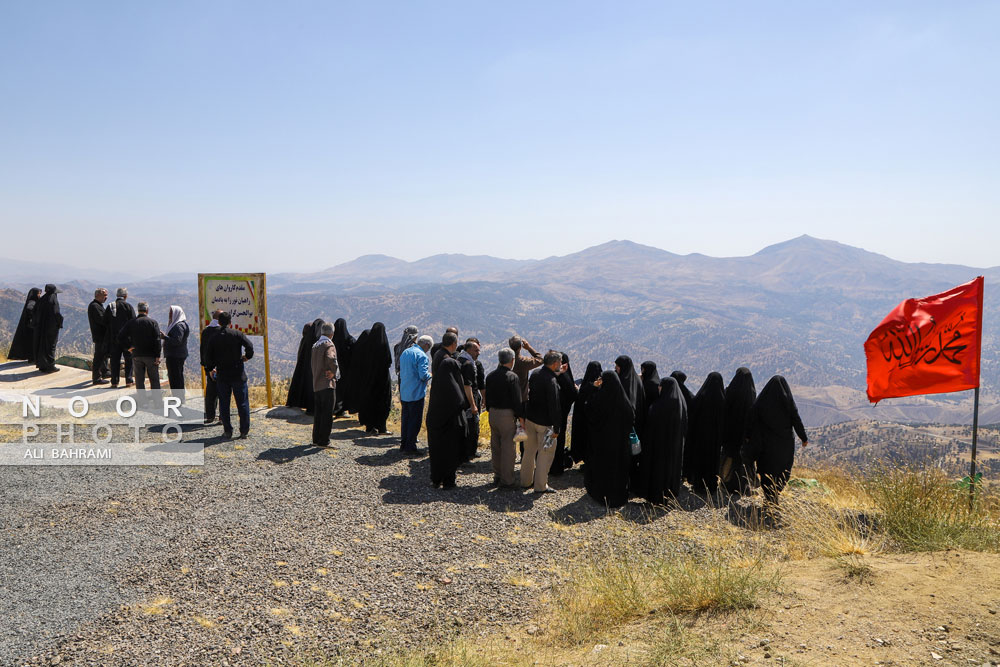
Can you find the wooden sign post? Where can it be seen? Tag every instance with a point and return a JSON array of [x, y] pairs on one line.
[[244, 297]]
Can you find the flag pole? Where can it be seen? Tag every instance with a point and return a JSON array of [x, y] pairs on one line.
[[975, 433]]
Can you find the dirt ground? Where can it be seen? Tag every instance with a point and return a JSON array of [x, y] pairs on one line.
[[913, 609]]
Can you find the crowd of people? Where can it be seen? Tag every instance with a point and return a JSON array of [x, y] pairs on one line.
[[635, 434]]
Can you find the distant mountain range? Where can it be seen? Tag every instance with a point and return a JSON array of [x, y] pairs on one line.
[[802, 308]]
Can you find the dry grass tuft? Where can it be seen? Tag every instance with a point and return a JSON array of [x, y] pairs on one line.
[[920, 509], [625, 584], [835, 519], [279, 393]]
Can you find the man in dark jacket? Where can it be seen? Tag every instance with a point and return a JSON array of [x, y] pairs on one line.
[[99, 334], [141, 337], [543, 414], [117, 315], [224, 359], [211, 393], [504, 407]]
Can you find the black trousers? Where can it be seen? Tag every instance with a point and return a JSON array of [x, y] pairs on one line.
[[323, 416], [99, 366], [175, 372], [471, 441], [117, 354], [444, 445], [211, 398]]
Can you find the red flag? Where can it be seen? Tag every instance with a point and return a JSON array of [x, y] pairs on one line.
[[928, 346]]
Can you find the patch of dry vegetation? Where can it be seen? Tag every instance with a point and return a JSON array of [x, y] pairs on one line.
[[923, 510], [279, 393], [661, 592]]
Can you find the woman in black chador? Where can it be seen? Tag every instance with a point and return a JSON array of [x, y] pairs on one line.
[[582, 422], [609, 461], [374, 384], [343, 341], [47, 322], [650, 381], [445, 421], [567, 396], [740, 395], [633, 389], [23, 345], [663, 443], [300, 390], [632, 384], [681, 378], [708, 419], [772, 425]]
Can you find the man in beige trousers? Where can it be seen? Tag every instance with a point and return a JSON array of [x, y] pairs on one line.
[[504, 407], [543, 413]]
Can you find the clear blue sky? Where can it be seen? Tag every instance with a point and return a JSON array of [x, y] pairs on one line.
[[296, 135]]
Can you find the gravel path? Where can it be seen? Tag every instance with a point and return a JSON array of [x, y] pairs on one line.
[[272, 551]]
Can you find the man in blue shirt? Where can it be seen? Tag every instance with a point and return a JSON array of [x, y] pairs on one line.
[[414, 373]]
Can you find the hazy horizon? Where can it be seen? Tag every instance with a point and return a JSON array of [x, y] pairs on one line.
[[152, 273]]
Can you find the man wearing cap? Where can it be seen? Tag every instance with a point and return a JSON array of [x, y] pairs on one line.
[[414, 373], [523, 365], [99, 334]]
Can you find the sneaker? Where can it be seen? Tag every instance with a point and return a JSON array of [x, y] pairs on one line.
[[384, 432], [547, 489], [102, 381], [130, 383], [371, 431]]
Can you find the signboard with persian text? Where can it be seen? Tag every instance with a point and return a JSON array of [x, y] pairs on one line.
[[242, 295]]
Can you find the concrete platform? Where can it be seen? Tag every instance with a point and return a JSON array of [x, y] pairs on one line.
[[20, 378]]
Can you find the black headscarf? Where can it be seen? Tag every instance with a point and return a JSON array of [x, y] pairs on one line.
[[633, 389], [772, 425], [22, 346], [663, 443], [581, 433], [705, 442], [609, 460], [300, 389], [650, 381], [408, 340], [681, 378], [372, 363], [740, 395]]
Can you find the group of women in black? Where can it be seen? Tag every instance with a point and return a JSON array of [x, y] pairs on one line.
[[38, 329], [640, 435], [364, 386]]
